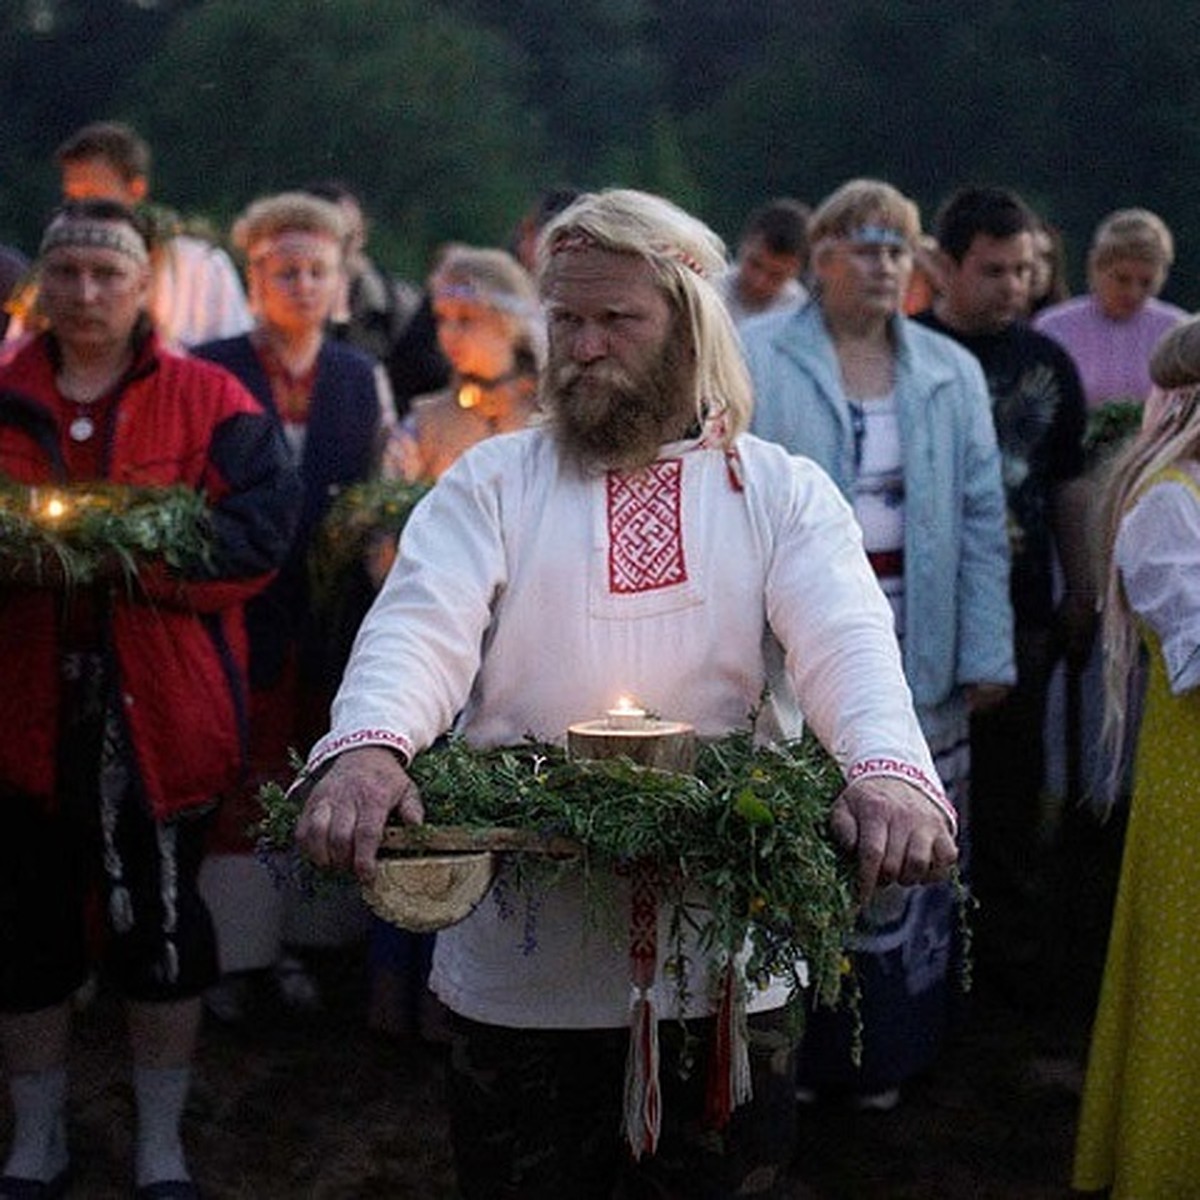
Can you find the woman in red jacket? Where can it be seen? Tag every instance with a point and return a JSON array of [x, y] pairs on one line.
[[122, 702]]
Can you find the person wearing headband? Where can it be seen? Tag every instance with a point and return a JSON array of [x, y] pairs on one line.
[[333, 404], [196, 294], [636, 541], [120, 694], [490, 329], [1137, 1123], [899, 417]]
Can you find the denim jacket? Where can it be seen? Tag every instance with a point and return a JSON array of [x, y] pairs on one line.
[[956, 554]]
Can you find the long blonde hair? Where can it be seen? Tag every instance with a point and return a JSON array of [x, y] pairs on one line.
[[686, 258], [1170, 434]]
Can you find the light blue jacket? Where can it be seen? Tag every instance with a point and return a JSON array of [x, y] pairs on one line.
[[956, 557]]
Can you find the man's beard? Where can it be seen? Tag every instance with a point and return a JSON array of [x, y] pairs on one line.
[[606, 417]]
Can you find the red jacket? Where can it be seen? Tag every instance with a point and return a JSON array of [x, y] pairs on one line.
[[176, 645]]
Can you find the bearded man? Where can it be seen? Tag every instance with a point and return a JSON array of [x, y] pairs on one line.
[[638, 542]]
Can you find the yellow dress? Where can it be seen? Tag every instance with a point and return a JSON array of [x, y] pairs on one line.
[[1139, 1131]]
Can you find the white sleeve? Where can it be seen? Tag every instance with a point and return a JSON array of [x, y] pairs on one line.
[[838, 634], [419, 649], [1158, 554]]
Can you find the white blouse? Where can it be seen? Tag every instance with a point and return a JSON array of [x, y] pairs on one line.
[[1158, 553]]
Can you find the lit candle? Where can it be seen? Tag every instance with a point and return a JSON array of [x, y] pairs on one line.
[[47, 505], [627, 715]]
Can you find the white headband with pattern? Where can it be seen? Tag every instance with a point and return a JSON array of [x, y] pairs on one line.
[[91, 233]]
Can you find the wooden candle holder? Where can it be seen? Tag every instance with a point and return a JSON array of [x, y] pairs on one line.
[[664, 745]]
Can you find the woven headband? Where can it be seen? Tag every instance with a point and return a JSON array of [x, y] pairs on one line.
[[265, 246], [876, 235], [91, 234], [472, 293], [568, 240]]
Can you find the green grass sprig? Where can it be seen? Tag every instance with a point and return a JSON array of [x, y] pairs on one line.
[[360, 512], [88, 527]]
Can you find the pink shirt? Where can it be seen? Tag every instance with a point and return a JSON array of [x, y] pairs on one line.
[[1113, 357]]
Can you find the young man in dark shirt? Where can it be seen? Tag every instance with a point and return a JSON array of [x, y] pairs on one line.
[[986, 249]]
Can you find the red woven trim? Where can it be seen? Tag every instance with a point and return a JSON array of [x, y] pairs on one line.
[[894, 767], [571, 239], [643, 925], [567, 240], [329, 747], [645, 528], [887, 564]]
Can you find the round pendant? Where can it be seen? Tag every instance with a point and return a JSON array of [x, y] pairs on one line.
[[81, 429]]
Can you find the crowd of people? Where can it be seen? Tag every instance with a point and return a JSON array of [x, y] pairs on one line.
[[845, 480]]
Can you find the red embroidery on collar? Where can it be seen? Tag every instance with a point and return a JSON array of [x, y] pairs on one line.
[[645, 528]]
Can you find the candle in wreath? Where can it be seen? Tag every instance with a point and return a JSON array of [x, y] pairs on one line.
[[47, 505], [629, 729]]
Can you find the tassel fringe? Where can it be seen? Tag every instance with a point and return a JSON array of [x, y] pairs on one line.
[[729, 1083], [643, 1097]]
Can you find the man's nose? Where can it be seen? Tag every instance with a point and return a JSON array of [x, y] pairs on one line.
[[89, 286], [1017, 284], [589, 343]]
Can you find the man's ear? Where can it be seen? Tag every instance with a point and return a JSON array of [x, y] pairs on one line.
[[944, 264], [138, 188]]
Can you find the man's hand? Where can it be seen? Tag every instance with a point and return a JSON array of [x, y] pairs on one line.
[[898, 833], [343, 818]]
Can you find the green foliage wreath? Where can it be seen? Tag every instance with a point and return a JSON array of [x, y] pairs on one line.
[[83, 529], [742, 847]]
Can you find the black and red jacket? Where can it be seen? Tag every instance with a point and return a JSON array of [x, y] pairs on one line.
[[176, 643]]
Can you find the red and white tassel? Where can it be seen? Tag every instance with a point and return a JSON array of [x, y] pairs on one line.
[[643, 1096], [728, 1084]]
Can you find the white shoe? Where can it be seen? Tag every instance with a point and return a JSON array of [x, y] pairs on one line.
[[297, 988], [883, 1101]]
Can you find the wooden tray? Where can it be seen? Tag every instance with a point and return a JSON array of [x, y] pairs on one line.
[[470, 839]]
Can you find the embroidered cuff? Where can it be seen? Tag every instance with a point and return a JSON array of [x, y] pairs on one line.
[[868, 767], [330, 746]]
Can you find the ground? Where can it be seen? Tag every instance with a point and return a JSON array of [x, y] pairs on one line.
[[318, 1107]]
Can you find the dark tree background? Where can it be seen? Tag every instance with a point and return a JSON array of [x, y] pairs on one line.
[[449, 117]]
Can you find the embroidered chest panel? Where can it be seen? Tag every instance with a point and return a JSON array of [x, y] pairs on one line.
[[645, 529]]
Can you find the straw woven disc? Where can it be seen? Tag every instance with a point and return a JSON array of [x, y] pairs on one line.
[[429, 892]]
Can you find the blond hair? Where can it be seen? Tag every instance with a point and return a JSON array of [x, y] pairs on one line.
[[494, 279], [1132, 233], [1170, 434], [860, 202], [287, 212], [686, 258]]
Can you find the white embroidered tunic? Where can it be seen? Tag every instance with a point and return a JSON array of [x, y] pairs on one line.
[[527, 597]]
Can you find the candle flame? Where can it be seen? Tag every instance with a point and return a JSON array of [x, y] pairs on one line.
[[55, 508]]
